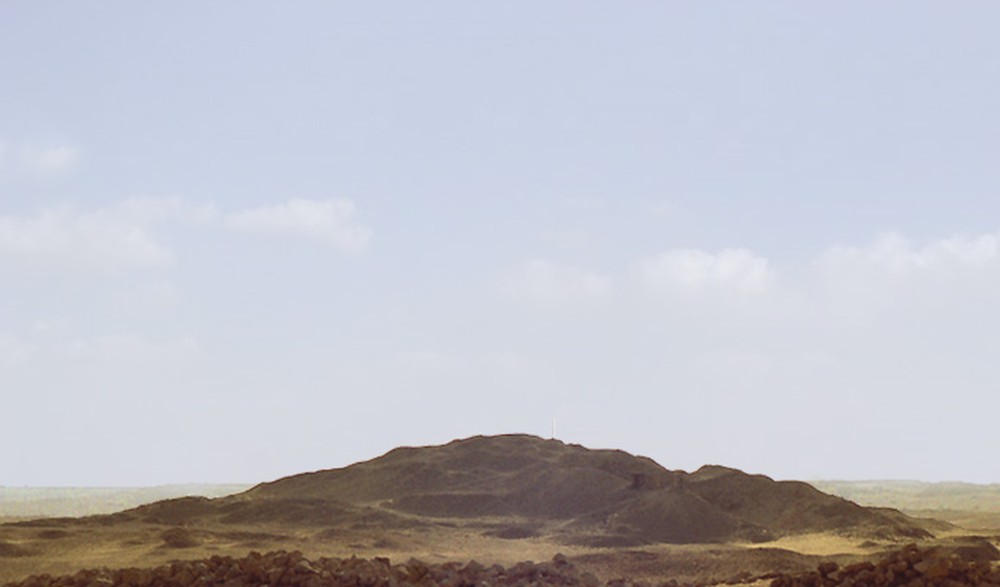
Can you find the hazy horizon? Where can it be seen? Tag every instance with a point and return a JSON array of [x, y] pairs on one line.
[[240, 240]]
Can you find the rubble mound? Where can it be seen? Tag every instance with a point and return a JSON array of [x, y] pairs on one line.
[[908, 567]]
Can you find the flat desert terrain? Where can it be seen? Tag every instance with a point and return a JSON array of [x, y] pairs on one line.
[[502, 500]]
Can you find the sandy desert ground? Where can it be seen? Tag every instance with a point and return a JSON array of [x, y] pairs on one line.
[[61, 546]]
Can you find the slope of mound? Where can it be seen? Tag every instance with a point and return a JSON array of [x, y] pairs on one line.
[[792, 506], [677, 516]]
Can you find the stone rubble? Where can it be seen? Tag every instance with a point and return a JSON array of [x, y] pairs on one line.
[[908, 567], [292, 569]]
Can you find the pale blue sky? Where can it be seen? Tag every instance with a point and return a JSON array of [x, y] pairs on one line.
[[240, 240]]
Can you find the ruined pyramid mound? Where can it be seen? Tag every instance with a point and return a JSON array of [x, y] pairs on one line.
[[598, 497]]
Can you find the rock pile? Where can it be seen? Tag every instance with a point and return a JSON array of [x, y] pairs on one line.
[[909, 567], [283, 569]]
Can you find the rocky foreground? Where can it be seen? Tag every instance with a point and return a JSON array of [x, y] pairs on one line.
[[909, 567]]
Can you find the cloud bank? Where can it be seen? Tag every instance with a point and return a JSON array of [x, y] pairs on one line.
[[113, 238], [49, 160], [697, 270], [332, 221], [41, 160], [131, 233]]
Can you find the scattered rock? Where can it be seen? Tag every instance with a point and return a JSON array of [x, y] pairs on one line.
[[908, 567], [292, 569]]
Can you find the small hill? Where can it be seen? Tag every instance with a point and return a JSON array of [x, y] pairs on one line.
[[522, 485]]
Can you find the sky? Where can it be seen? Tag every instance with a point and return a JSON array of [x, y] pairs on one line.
[[241, 240]]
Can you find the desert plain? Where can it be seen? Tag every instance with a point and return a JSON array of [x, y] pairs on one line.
[[502, 500]]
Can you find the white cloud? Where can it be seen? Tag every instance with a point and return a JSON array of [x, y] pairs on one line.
[[105, 239], [329, 221], [893, 254], [893, 270], [695, 270], [49, 160], [126, 234], [38, 159], [539, 280]]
